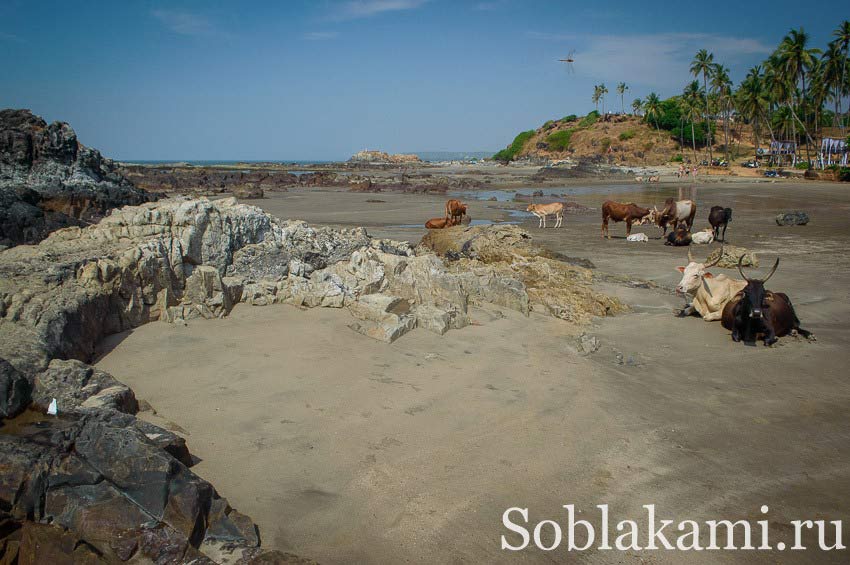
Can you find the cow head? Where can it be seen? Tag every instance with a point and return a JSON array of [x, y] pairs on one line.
[[694, 273], [651, 218], [754, 293]]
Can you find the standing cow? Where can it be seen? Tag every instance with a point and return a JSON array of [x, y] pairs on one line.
[[675, 212], [542, 210], [755, 312], [629, 213], [455, 211], [719, 217]]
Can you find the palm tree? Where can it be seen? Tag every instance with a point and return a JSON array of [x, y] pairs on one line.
[[652, 108], [691, 104], [603, 90], [722, 87], [842, 42], [795, 61], [703, 64], [597, 94], [753, 104], [637, 104], [621, 90], [831, 80]]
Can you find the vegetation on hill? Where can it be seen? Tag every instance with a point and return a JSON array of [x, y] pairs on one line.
[[788, 97], [511, 151]]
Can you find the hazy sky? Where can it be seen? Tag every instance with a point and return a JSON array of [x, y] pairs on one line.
[[322, 79]]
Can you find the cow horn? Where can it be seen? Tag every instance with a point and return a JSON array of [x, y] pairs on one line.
[[691, 256], [716, 261], [740, 270], [773, 270]]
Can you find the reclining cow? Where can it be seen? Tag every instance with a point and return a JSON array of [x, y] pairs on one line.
[[708, 293], [755, 312]]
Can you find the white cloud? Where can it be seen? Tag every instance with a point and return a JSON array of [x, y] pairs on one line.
[[365, 8], [660, 61], [320, 35], [184, 23]]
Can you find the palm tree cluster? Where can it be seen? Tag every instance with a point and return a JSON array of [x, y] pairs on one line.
[[788, 95]]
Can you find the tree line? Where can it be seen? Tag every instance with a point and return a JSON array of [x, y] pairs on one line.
[[787, 96]]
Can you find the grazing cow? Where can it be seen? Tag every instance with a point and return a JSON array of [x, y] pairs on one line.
[[675, 212], [455, 209], [655, 178], [755, 312], [704, 237], [638, 237], [619, 212], [440, 223], [680, 237], [543, 210], [708, 293], [638, 179], [719, 217]]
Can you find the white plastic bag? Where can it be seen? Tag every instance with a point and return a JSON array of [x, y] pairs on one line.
[[53, 409]]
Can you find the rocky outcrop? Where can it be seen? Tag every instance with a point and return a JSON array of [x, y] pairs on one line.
[[730, 256], [48, 180], [380, 157], [509, 269], [95, 479], [183, 178]]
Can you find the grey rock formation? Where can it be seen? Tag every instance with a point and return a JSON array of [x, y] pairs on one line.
[[95, 470], [793, 218], [731, 255], [48, 180]]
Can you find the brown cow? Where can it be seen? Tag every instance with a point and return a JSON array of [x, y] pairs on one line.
[[621, 213], [440, 223], [455, 209]]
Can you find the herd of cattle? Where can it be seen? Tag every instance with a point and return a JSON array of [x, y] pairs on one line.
[[744, 307]]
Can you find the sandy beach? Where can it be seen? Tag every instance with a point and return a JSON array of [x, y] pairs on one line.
[[348, 450]]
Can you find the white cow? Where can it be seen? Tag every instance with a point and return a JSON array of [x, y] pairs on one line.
[[709, 293], [704, 237]]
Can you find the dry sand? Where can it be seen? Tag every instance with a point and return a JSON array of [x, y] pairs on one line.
[[349, 450]]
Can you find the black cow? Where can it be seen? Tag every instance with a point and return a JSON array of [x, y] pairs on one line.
[[679, 237], [755, 311], [719, 217]]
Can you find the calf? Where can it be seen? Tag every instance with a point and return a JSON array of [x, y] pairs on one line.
[[719, 217], [543, 210], [704, 237], [755, 312], [680, 237]]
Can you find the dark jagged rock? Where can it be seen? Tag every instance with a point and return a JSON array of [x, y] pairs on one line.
[[48, 180], [15, 390]]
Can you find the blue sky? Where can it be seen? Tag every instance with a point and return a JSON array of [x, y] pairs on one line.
[[322, 79]]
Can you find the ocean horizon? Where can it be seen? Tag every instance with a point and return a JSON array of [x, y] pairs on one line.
[[427, 156]]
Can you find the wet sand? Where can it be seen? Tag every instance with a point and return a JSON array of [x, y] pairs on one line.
[[349, 450]]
